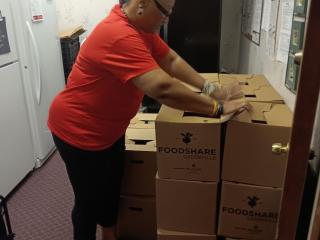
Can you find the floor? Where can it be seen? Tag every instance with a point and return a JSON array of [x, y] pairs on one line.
[[40, 208]]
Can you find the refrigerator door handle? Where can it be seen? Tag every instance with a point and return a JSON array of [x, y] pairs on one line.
[[36, 53]]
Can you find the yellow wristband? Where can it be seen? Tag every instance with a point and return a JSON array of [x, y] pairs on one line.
[[215, 108]]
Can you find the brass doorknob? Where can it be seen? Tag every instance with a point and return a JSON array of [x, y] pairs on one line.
[[277, 148], [298, 57]]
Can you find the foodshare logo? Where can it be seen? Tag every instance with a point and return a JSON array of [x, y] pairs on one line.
[[188, 150], [252, 201], [186, 137], [252, 213]]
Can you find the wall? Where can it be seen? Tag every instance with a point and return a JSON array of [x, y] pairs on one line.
[[230, 35], [253, 59], [239, 55], [88, 13]]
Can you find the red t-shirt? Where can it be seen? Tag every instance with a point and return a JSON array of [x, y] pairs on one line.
[[95, 108]]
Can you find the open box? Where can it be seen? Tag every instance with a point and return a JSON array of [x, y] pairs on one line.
[[188, 145], [249, 138]]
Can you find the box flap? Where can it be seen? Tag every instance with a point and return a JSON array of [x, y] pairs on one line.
[[141, 125], [244, 79], [168, 114], [143, 120], [256, 115], [137, 147], [175, 233], [268, 94], [267, 113], [260, 80], [212, 77], [152, 143], [249, 90], [127, 141], [279, 115], [262, 94], [226, 79], [72, 32], [134, 134], [146, 117]]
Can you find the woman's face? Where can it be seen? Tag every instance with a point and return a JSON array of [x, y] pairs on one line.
[[157, 13]]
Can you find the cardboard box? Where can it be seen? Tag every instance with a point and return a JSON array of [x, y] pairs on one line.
[[188, 146], [172, 235], [71, 33], [186, 206], [140, 136], [143, 120], [256, 88], [261, 94], [137, 218], [140, 163], [212, 77], [227, 238], [248, 211], [247, 153], [140, 170], [244, 79]]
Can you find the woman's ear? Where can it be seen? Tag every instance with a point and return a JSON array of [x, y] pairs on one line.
[[141, 6], [140, 9]]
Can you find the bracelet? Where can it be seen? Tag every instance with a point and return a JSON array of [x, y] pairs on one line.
[[208, 88], [217, 109], [220, 110]]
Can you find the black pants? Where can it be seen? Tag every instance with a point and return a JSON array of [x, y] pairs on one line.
[[96, 179]]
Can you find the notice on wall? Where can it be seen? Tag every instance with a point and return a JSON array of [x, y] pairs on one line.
[[251, 19], [36, 10], [266, 15], [4, 42], [271, 27], [287, 7]]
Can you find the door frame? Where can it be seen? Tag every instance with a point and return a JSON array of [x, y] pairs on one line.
[[302, 129]]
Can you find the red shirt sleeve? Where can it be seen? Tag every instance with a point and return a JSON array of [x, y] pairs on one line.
[[134, 55], [159, 48]]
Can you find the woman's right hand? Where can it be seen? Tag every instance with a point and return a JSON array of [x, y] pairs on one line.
[[236, 106]]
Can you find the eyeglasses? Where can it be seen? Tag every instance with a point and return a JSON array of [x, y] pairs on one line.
[[162, 9]]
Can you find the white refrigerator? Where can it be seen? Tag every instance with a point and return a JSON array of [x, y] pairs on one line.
[[31, 74]]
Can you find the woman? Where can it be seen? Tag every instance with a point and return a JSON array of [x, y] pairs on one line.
[[120, 61]]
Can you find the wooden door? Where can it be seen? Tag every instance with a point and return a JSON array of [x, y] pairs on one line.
[[305, 110]]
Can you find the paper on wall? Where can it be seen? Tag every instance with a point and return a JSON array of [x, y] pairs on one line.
[[251, 19], [266, 15], [271, 36], [285, 32]]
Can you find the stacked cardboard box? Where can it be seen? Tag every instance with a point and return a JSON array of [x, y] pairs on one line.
[[252, 176], [137, 211], [256, 88], [188, 174], [172, 235], [189, 149]]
